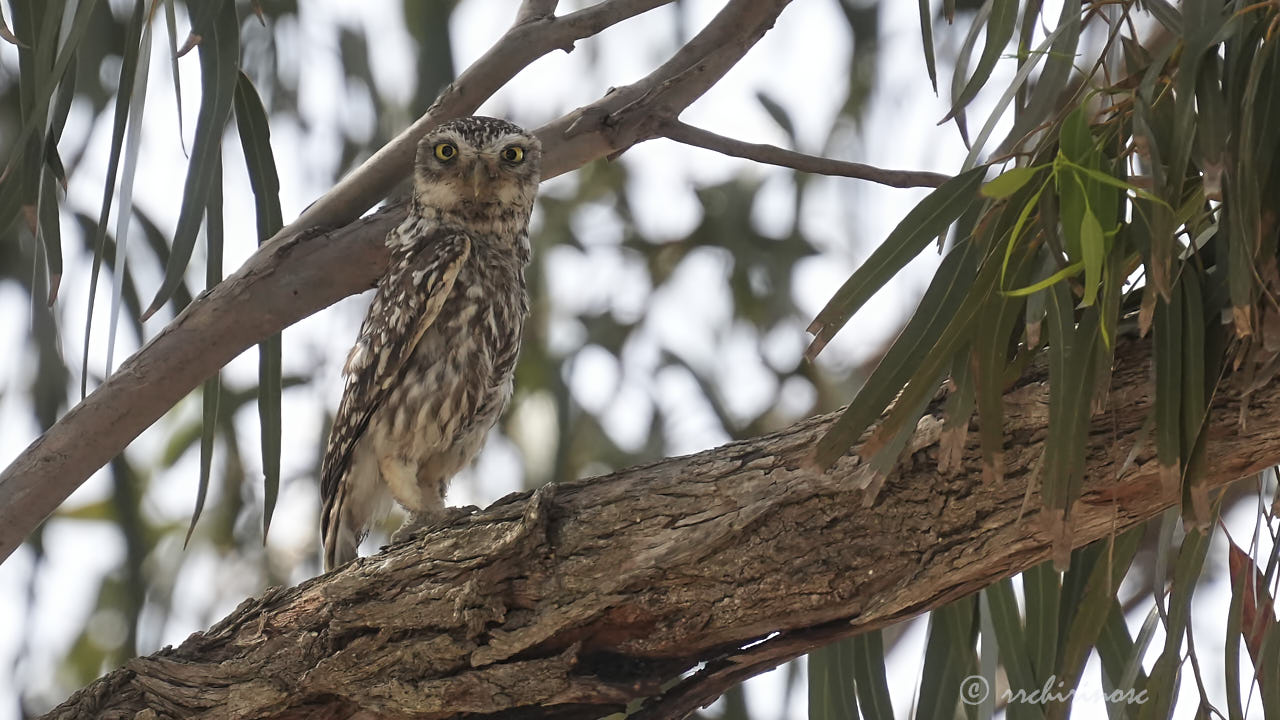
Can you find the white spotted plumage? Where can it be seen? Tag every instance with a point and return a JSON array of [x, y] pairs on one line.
[[432, 367]]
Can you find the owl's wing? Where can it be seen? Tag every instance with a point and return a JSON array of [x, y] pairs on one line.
[[408, 300]]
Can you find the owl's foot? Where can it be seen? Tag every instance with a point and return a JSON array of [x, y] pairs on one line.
[[419, 522]]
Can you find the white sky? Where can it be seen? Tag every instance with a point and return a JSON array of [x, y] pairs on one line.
[[802, 62]]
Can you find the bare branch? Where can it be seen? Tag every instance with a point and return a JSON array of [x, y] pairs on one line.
[[774, 155], [584, 596], [527, 40], [298, 272], [535, 10]]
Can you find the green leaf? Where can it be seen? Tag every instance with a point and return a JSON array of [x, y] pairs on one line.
[[132, 149], [1014, 655], [869, 676], [1000, 27], [948, 659], [50, 232], [219, 57], [1094, 251], [991, 347], [998, 111], [1167, 338], [1231, 654], [927, 220], [1071, 370], [171, 25], [1115, 555], [1162, 686], [38, 77], [926, 37], [208, 427], [1051, 281], [1269, 659], [7, 34], [779, 114], [1010, 181], [213, 386], [255, 139], [1040, 587], [831, 689], [940, 302], [1194, 405], [128, 71], [1052, 81]]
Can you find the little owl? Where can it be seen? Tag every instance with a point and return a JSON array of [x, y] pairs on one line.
[[431, 370]]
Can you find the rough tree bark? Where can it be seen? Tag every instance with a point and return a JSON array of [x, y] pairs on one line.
[[582, 597]]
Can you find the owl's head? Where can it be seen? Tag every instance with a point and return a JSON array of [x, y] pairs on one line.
[[477, 166]]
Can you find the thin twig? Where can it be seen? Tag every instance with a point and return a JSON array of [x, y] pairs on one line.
[[774, 155]]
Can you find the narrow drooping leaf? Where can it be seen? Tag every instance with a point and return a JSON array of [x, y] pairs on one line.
[[1044, 100], [1071, 372], [960, 69], [1257, 608], [934, 313], [1006, 99], [1267, 682], [991, 348], [1194, 401], [949, 658], [37, 85], [255, 139], [50, 233], [1000, 27], [210, 393], [958, 410], [219, 58], [124, 209], [988, 661], [171, 25], [1115, 556], [1167, 335], [1014, 655], [1231, 648], [832, 695], [927, 220], [213, 386], [926, 37], [1114, 647], [779, 114], [1040, 588], [7, 34], [870, 676], [124, 94], [204, 24], [1186, 574]]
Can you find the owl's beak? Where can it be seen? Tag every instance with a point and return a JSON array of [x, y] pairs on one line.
[[477, 179]]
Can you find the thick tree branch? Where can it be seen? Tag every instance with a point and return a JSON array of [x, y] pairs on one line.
[[774, 155], [584, 596], [300, 272]]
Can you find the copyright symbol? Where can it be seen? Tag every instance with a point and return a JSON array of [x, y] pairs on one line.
[[974, 689]]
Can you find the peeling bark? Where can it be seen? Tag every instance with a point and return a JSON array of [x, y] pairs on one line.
[[576, 599]]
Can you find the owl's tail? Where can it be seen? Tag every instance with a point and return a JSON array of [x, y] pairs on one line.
[[342, 535]]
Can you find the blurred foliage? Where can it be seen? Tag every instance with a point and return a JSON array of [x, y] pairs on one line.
[[1064, 252]]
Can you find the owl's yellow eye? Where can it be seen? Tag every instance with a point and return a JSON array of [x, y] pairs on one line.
[[446, 151], [513, 154]]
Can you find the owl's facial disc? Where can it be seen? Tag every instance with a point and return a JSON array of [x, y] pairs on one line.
[[456, 172]]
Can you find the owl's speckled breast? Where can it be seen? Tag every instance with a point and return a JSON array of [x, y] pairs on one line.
[[457, 381]]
